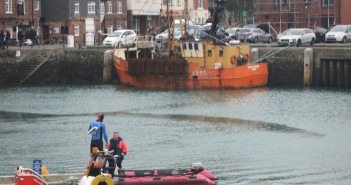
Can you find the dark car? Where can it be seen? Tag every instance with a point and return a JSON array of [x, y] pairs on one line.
[[320, 34], [220, 33]]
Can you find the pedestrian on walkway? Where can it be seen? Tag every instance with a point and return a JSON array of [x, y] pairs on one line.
[[7, 39], [20, 37], [2, 39]]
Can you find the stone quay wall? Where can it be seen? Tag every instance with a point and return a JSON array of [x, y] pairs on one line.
[[285, 65]]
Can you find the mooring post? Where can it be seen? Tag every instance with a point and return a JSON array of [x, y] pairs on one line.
[[254, 55], [308, 67], [108, 65], [331, 73], [325, 72], [346, 73], [339, 73]]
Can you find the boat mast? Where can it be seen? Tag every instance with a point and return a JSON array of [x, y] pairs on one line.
[[170, 21], [185, 16]]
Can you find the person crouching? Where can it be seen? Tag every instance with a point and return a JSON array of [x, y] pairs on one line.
[[119, 148]]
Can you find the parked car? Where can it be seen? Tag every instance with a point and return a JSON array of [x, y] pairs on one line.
[[263, 27], [254, 35], [120, 37], [233, 32], [339, 33], [220, 33], [320, 34], [297, 37]]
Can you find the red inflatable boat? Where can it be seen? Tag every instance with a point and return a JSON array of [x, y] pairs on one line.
[[196, 175]]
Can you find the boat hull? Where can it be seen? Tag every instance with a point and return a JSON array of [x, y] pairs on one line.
[[194, 77]]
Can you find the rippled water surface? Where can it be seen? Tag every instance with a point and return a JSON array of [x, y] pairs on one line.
[[248, 136]]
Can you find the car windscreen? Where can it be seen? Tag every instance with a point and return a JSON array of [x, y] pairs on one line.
[[115, 34], [293, 32], [338, 28], [230, 31]]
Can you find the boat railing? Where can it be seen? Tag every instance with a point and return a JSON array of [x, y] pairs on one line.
[[146, 41], [26, 175]]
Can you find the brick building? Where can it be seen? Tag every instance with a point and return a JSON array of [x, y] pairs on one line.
[[19, 14], [70, 17], [113, 15], [284, 14]]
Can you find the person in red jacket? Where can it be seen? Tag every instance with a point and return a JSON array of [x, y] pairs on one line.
[[119, 148]]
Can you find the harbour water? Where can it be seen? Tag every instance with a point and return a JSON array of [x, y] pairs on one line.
[[247, 136]]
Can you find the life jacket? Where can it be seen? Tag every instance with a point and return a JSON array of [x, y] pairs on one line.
[[116, 146]]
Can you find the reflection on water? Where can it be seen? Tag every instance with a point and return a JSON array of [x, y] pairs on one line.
[[246, 136]]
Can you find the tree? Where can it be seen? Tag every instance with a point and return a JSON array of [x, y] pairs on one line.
[[237, 6]]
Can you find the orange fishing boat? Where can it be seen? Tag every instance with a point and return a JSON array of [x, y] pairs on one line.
[[201, 65], [190, 64]]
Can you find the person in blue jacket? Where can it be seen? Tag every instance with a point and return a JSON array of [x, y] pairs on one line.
[[98, 130]]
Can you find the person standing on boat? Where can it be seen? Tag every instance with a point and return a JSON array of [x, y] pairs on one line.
[[119, 148], [98, 130]]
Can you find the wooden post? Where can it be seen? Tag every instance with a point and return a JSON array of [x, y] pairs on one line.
[[325, 72], [346, 73], [339, 73], [331, 73], [108, 66], [308, 67]]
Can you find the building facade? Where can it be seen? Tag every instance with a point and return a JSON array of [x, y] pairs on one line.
[[198, 11], [19, 14], [144, 15], [70, 17], [113, 15], [284, 14]]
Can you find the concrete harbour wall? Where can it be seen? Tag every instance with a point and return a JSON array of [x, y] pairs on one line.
[[285, 66]]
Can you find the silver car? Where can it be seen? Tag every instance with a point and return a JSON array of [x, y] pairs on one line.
[[254, 35], [339, 33], [233, 32], [296, 37]]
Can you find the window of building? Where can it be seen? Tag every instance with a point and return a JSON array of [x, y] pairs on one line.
[[164, 2], [221, 53], [109, 29], [119, 7], [184, 46], [276, 3], [76, 30], [76, 7], [190, 46], [8, 6], [36, 5], [102, 8], [170, 3], [119, 27], [201, 4], [307, 1], [21, 2], [196, 46], [91, 7], [325, 3], [109, 7], [209, 53], [178, 2]]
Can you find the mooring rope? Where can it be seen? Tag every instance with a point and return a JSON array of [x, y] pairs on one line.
[[265, 56]]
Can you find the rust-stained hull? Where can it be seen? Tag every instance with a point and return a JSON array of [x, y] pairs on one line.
[[189, 75]]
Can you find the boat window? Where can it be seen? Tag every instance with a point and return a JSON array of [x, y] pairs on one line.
[[184, 46], [190, 46], [221, 53], [196, 46], [210, 53]]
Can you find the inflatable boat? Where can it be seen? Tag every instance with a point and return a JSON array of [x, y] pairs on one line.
[[196, 175]]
